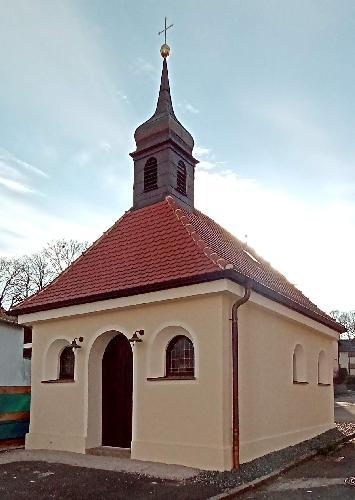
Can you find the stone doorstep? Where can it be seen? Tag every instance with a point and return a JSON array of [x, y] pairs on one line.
[[109, 451], [232, 493]]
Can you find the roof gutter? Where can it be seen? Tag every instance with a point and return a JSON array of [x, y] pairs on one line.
[[235, 375], [231, 274]]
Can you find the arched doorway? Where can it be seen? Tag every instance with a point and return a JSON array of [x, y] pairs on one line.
[[117, 386]]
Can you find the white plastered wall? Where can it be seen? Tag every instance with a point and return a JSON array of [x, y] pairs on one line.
[[186, 421], [274, 411], [176, 421]]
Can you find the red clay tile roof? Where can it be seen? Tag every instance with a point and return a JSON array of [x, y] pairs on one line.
[[161, 246]]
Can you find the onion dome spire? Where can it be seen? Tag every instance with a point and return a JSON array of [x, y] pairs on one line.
[[163, 160], [164, 104]]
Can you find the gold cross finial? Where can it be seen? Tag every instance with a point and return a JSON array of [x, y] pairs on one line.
[[165, 30]]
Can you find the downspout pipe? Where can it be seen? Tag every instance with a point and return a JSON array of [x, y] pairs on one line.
[[235, 377]]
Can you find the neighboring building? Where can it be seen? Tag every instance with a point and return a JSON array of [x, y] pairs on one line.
[[347, 355], [197, 388], [15, 362], [15, 378]]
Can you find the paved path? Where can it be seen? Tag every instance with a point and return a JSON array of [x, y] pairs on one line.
[[109, 463], [44, 481]]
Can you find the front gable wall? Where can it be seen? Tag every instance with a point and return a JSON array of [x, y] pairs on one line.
[[173, 421]]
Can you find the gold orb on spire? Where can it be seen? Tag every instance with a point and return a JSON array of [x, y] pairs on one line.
[[165, 50]]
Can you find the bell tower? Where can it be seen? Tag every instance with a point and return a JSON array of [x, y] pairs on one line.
[[163, 161]]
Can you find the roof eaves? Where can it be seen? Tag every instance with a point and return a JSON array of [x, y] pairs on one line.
[[18, 307], [231, 274]]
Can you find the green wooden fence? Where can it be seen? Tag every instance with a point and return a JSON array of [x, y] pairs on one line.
[[14, 412]]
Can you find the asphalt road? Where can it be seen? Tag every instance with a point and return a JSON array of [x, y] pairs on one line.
[[344, 410], [323, 477]]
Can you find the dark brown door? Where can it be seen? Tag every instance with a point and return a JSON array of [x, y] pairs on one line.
[[117, 386]]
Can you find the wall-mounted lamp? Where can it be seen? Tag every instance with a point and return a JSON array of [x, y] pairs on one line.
[[135, 337], [74, 345]]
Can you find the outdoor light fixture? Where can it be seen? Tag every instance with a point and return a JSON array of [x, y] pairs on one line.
[[74, 345], [135, 337]]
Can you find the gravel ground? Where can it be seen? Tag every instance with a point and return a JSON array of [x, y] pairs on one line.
[[222, 481]]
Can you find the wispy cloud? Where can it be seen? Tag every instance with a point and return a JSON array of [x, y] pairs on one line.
[[188, 107], [7, 158], [16, 175], [77, 98], [15, 186], [207, 160]]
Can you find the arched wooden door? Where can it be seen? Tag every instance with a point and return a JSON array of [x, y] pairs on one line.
[[117, 386]]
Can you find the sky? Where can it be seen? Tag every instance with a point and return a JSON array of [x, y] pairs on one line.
[[266, 87]]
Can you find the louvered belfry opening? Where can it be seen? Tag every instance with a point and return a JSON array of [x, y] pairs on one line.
[[151, 175], [163, 161], [181, 178]]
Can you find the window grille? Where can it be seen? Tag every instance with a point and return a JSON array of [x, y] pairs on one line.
[[181, 178], [180, 358], [66, 364], [150, 175]]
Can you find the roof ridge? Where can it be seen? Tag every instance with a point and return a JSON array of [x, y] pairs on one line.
[[261, 260], [195, 236]]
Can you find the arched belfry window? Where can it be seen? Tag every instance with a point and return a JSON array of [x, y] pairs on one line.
[[181, 178], [180, 357], [150, 175], [66, 364]]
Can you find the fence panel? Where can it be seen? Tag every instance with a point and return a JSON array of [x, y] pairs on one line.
[[14, 412]]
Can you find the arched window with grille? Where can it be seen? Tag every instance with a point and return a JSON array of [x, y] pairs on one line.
[[150, 175], [180, 357], [66, 364], [181, 178]]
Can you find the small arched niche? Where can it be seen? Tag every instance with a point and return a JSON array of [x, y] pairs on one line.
[[52, 359], [323, 369], [299, 365], [157, 356]]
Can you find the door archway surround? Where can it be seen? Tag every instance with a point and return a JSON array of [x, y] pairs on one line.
[[117, 388]]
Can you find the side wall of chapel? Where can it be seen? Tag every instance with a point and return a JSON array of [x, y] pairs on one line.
[[275, 412]]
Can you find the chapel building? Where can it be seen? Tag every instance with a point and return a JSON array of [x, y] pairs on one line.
[[171, 338]]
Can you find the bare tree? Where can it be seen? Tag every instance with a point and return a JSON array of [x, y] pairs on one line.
[[9, 279], [21, 277], [346, 318], [61, 253]]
